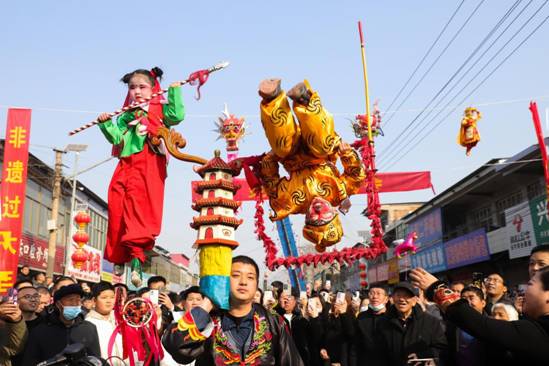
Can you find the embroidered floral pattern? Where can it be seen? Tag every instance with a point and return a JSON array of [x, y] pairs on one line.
[[260, 345]]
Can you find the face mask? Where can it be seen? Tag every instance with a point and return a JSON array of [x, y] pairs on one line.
[[71, 312], [363, 308], [376, 308]]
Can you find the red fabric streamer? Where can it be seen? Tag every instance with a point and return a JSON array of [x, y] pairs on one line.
[[198, 78], [135, 339], [541, 141]]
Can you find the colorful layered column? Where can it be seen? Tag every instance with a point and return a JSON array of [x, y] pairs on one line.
[[216, 225]]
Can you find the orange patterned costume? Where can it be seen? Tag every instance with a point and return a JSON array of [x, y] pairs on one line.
[[308, 151], [468, 132]]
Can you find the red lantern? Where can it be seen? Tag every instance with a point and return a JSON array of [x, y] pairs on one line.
[[362, 266], [82, 218], [364, 283], [78, 258], [362, 275], [81, 237]]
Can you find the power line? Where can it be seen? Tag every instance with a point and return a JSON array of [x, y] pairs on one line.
[[478, 73], [474, 90], [477, 49], [438, 57], [423, 60], [473, 65]]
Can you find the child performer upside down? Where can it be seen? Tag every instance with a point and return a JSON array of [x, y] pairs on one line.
[[136, 191]]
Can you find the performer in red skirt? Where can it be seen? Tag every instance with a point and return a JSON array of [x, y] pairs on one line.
[[136, 191]]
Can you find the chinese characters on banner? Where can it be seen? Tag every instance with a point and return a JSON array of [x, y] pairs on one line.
[[467, 249], [393, 273], [540, 220], [428, 228], [12, 196], [431, 259], [520, 232], [33, 252]]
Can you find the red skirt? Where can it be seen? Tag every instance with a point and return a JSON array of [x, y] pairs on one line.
[[136, 200]]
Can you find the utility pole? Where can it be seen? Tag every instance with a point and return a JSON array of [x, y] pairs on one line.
[[52, 224]]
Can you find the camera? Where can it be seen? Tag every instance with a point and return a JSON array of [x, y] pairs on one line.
[[73, 355]]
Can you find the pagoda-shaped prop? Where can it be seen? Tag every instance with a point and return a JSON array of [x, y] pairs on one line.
[[216, 225]]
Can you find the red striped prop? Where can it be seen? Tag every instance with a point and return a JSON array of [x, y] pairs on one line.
[[196, 78]]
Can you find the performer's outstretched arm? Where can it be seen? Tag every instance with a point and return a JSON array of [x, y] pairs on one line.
[[174, 111], [186, 340]]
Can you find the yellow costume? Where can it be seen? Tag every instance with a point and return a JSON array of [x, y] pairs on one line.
[[468, 132], [308, 151]]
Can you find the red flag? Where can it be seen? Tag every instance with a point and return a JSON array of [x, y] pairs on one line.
[[541, 142], [14, 179], [401, 182], [386, 182]]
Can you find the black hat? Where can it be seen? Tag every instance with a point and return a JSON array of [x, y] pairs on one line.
[[74, 289], [295, 292], [407, 286]]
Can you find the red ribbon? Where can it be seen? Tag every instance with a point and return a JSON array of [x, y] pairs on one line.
[[198, 78]]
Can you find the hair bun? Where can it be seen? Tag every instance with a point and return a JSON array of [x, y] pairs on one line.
[[158, 71], [126, 78]]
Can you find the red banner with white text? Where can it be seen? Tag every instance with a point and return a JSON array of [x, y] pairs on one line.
[[12, 196]]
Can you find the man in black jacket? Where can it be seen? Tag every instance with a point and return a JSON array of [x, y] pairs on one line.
[[247, 334], [409, 333], [63, 326], [299, 326], [366, 346]]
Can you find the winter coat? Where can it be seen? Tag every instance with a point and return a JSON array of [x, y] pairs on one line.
[[527, 340], [268, 344], [422, 334], [337, 338], [105, 328], [366, 347], [316, 338], [301, 332], [52, 336], [12, 340]]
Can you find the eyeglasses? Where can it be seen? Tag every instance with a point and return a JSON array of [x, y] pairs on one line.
[[492, 280], [30, 297]]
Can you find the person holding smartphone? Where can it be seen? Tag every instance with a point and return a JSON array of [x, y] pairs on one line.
[[317, 322], [366, 348], [13, 331], [526, 339], [338, 331], [299, 325]]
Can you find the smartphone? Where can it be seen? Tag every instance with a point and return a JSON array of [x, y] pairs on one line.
[[303, 294], [12, 295], [153, 296], [522, 289], [328, 284], [340, 298], [268, 297]]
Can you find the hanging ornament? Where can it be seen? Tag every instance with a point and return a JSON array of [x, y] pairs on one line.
[[468, 132], [81, 238]]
